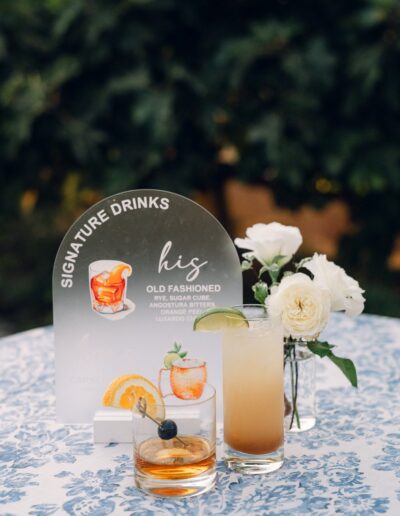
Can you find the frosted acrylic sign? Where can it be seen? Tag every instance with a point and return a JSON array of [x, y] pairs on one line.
[[129, 278]]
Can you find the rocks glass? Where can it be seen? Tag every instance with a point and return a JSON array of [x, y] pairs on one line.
[[174, 456]]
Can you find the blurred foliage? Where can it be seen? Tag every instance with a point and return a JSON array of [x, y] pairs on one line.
[[98, 96]]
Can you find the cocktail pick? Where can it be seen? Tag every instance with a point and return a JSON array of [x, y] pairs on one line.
[[167, 429]]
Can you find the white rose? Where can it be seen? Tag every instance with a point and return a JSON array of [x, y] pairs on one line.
[[302, 306], [266, 241], [345, 291]]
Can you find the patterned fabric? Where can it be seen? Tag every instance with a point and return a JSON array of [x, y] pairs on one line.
[[348, 464]]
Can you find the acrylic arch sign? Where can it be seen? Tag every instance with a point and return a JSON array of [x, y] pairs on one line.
[[129, 278]]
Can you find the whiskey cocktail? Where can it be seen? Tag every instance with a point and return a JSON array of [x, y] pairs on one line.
[[175, 456]]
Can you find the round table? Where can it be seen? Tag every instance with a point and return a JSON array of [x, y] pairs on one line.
[[348, 464]]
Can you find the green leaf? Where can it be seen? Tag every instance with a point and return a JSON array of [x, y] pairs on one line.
[[301, 263], [272, 268], [287, 273], [347, 367], [177, 349], [278, 259], [324, 349], [260, 290], [246, 265]]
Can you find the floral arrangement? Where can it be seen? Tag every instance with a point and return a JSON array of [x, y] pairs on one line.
[[299, 294]]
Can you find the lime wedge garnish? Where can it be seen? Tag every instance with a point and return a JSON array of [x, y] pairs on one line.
[[170, 358], [217, 319]]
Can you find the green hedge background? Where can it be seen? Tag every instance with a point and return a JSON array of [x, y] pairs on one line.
[[98, 96]]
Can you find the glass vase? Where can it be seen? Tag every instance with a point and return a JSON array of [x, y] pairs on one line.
[[299, 387]]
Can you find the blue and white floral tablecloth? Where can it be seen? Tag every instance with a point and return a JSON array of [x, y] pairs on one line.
[[349, 464]]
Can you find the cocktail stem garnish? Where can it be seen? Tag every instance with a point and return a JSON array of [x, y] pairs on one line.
[[142, 408]]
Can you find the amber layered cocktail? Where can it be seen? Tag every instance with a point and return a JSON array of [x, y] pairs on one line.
[[174, 446], [252, 386], [253, 393]]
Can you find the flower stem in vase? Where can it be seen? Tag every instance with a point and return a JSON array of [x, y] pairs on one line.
[[295, 410], [294, 383], [299, 386]]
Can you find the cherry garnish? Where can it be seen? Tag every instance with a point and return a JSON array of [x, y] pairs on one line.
[[167, 429]]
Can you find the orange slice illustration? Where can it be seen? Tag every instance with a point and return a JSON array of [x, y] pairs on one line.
[[124, 392], [117, 273]]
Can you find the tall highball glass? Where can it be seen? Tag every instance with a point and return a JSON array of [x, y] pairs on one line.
[[253, 387]]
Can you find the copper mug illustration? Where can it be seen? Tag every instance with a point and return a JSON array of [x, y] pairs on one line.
[[187, 378]]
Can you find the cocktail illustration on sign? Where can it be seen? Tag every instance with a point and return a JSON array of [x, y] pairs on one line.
[[182, 377], [108, 285]]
